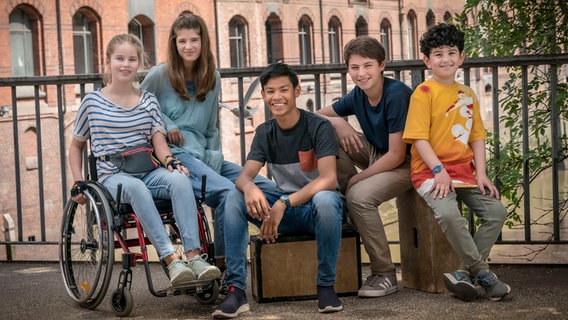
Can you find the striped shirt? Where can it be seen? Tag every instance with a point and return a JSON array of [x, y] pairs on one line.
[[111, 128]]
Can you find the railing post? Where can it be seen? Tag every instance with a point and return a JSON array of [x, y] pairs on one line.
[[9, 235]]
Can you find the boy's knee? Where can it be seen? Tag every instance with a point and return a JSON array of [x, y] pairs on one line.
[[234, 196]]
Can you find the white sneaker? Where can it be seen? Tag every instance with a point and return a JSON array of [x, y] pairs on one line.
[[180, 272], [202, 269]]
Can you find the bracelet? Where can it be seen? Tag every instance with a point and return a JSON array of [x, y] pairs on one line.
[[166, 158]]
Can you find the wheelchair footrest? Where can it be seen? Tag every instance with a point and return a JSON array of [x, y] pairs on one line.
[[188, 287]]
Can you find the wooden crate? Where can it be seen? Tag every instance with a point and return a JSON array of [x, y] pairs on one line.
[[425, 253], [286, 270]]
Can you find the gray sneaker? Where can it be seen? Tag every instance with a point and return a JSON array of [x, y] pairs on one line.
[[378, 286], [202, 269], [180, 272], [495, 288], [459, 283]]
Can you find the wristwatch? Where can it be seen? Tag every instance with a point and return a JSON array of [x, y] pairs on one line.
[[437, 169], [284, 199]]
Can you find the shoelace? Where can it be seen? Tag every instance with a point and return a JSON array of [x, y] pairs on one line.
[[202, 256], [375, 279]]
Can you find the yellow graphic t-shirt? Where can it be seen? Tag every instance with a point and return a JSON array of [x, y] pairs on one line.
[[449, 118]]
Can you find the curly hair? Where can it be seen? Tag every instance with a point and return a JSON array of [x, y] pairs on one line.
[[442, 34], [204, 69]]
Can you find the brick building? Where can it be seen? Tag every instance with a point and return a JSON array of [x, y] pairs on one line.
[[66, 37]]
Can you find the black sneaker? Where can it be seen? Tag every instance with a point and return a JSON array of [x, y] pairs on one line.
[[460, 284], [327, 300], [495, 288], [235, 303]]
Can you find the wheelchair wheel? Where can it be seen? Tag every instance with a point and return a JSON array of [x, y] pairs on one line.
[[122, 302], [210, 295], [86, 248]]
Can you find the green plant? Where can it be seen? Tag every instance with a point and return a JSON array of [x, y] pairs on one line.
[[527, 27]]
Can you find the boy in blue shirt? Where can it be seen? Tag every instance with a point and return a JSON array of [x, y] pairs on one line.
[[380, 105]]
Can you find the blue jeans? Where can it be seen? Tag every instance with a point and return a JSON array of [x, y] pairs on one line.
[[140, 190], [321, 216], [217, 189]]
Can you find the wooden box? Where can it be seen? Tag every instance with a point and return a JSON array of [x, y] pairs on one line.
[[286, 270], [425, 253]]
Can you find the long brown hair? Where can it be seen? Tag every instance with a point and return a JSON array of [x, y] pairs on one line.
[[204, 70]]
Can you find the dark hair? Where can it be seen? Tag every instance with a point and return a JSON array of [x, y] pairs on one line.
[[278, 70], [365, 46], [442, 34], [204, 69]]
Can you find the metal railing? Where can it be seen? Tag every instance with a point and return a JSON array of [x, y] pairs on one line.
[[54, 91]]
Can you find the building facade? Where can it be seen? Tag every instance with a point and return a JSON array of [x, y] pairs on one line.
[[68, 37]]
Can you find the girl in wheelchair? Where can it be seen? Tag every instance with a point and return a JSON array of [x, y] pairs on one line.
[[117, 118]]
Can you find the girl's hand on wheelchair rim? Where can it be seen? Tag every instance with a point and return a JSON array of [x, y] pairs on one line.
[[77, 194]]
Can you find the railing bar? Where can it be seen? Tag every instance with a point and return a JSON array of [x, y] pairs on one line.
[[496, 113], [40, 163], [17, 163], [242, 120], [62, 152], [466, 76], [554, 118], [343, 83], [526, 150], [317, 84]]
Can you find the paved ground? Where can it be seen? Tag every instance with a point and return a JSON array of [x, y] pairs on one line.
[[36, 291]]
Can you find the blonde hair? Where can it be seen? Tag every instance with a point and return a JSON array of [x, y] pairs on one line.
[[117, 40], [204, 69]]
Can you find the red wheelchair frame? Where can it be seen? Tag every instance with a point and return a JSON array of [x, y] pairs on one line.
[[86, 249]]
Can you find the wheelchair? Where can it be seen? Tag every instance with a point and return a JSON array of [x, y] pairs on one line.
[[91, 232]]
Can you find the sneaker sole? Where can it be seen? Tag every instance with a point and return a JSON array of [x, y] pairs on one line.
[[182, 278], [219, 314], [376, 293], [330, 309], [209, 274], [501, 297], [463, 290]]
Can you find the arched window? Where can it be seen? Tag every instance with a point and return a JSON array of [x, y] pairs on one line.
[[361, 27], [142, 27], [30, 148], [238, 42], [274, 44], [386, 38], [305, 28], [24, 45], [334, 31], [430, 19], [310, 105], [85, 42], [447, 17], [412, 35]]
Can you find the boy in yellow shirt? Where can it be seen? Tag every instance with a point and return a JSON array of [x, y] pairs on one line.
[[446, 131]]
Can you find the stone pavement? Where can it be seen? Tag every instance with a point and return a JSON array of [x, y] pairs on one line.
[[35, 290]]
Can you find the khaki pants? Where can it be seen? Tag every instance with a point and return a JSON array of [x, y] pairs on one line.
[[473, 251], [364, 198]]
